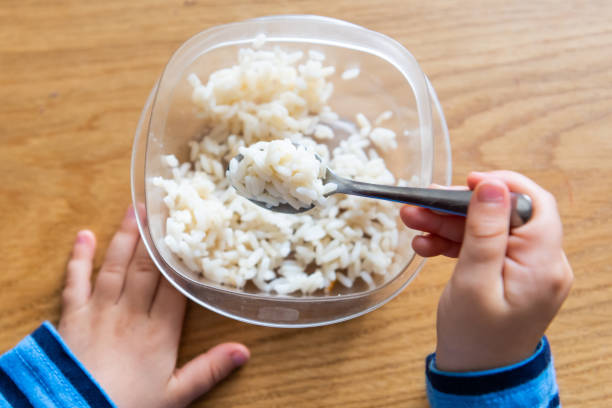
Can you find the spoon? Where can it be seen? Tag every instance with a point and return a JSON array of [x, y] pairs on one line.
[[447, 201]]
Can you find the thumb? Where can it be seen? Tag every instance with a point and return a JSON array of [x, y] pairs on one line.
[[205, 371], [485, 238]]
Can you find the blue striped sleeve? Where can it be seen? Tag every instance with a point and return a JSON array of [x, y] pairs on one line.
[[41, 371], [529, 383]]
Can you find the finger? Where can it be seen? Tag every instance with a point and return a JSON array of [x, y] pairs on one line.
[[203, 372], [527, 245], [446, 226], [112, 273], [169, 307], [433, 245], [78, 272], [545, 216], [141, 281], [486, 236]]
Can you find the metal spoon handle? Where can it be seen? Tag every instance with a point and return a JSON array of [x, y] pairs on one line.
[[448, 201]]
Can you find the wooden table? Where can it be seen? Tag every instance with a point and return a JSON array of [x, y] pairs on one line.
[[524, 85]]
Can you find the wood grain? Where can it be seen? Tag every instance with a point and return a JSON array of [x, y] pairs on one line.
[[524, 85]]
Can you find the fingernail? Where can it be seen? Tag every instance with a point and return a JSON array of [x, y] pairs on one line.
[[490, 193], [81, 237], [130, 212], [239, 358]]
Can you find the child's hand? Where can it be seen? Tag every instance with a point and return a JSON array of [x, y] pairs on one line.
[[126, 329], [507, 285]]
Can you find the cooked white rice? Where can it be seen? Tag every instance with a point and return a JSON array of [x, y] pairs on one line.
[[270, 95], [383, 138], [279, 172], [383, 117], [350, 73], [259, 41]]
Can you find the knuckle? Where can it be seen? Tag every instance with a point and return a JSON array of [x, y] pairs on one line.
[[67, 295], [215, 373], [484, 247], [548, 202], [560, 279], [71, 285], [114, 268], [121, 330], [156, 336], [486, 228], [143, 264], [69, 282], [109, 284]]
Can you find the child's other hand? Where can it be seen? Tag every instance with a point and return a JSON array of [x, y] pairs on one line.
[[507, 286], [126, 329]]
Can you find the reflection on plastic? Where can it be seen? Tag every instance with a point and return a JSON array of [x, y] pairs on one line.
[[278, 314]]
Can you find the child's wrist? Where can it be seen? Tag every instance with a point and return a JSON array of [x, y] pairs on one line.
[[480, 357]]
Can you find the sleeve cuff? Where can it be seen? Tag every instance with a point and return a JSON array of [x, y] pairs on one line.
[[42, 371], [530, 382]]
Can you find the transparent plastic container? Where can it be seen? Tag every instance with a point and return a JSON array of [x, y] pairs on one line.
[[390, 79]]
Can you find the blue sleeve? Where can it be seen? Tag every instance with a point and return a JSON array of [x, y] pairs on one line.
[[41, 371], [530, 383]]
